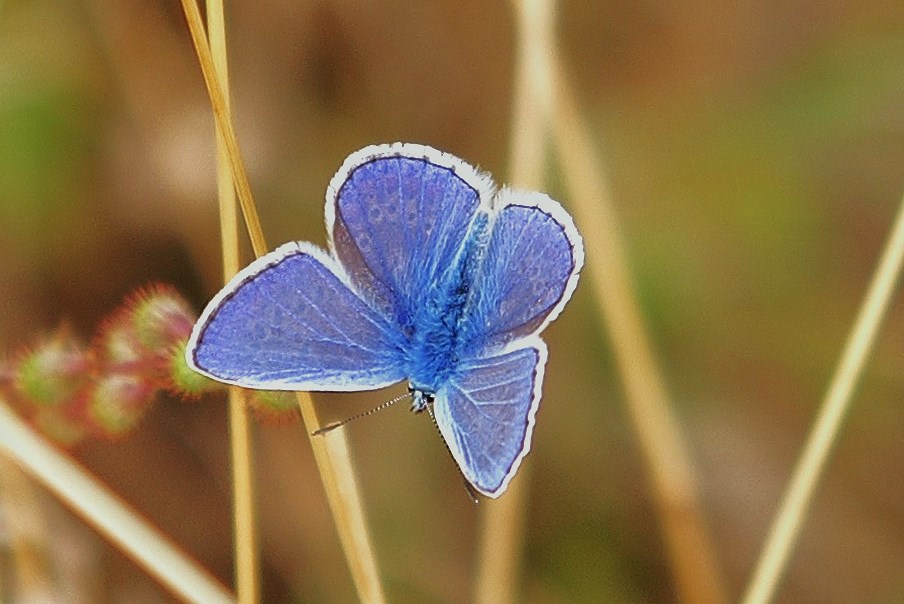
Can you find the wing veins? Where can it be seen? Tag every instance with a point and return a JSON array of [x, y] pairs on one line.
[[442, 230], [406, 233], [477, 407], [347, 340]]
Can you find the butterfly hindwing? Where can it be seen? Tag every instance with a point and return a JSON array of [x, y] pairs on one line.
[[289, 321], [529, 271], [486, 413]]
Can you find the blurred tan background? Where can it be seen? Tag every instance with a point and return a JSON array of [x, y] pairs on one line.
[[755, 151]]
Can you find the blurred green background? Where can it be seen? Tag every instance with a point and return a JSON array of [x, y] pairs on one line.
[[755, 151]]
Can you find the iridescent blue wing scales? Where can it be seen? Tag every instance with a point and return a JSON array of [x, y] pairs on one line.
[[529, 271], [289, 321], [486, 414], [398, 216]]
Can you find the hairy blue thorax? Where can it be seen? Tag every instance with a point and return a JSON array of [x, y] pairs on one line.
[[436, 343]]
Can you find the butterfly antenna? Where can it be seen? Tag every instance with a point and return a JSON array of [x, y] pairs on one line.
[[380, 407], [472, 493]]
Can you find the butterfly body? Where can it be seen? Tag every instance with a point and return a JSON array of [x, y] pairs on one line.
[[441, 334], [432, 276]]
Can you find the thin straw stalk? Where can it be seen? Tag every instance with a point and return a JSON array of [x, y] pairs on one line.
[[673, 480], [501, 539], [246, 555], [101, 508], [790, 518], [27, 535], [331, 451]]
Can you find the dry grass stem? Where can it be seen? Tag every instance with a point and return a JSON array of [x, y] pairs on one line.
[[501, 539], [796, 502], [331, 451], [223, 117], [501, 542], [26, 536], [110, 516], [247, 565], [333, 459], [246, 556], [674, 488]]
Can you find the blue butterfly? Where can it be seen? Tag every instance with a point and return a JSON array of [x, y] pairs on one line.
[[431, 276]]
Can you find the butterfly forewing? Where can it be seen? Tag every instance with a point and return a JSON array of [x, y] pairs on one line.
[[398, 219], [290, 322]]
